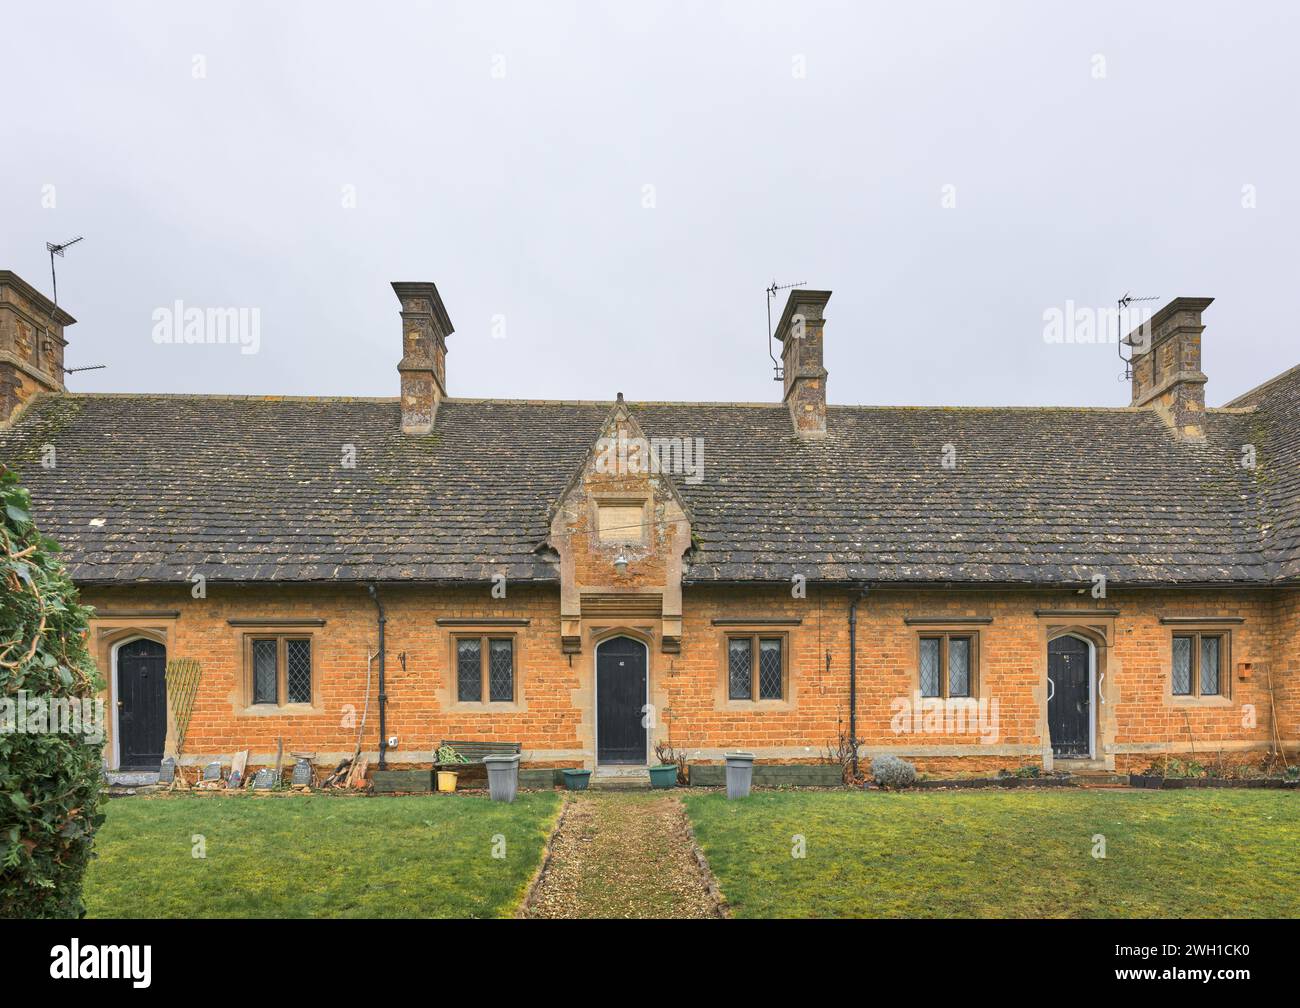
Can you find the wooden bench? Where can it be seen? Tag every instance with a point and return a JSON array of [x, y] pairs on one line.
[[475, 751]]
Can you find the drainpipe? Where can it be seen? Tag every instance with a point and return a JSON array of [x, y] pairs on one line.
[[853, 676], [383, 695]]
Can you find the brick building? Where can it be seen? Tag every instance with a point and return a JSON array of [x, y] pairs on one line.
[[969, 588]]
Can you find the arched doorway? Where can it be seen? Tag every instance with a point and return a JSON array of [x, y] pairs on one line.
[[622, 679], [141, 716], [1071, 675]]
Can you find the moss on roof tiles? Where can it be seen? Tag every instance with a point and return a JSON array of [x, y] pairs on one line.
[[1040, 494]]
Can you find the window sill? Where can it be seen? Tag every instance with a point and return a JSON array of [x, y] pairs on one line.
[[1199, 701], [276, 710]]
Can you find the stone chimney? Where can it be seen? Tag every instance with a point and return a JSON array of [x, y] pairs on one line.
[[1167, 366], [31, 344], [800, 333], [425, 328]]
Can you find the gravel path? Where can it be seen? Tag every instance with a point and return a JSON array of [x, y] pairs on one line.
[[623, 855]]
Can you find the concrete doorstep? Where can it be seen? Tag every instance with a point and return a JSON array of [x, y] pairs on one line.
[[620, 778]]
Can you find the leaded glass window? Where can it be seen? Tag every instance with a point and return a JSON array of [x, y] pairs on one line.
[[469, 670], [740, 663], [769, 669], [501, 670], [266, 676], [1209, 666], [1182, 682], [930, 648], [1198, 664], [279, 670], [959, 666], [297, 658], [485, 665], [756, 668], [946, 665]]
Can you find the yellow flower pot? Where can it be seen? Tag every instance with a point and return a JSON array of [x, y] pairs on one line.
[[447, 780]]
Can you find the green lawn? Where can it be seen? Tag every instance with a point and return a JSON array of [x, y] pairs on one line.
[[1005, 854], [317, 857]]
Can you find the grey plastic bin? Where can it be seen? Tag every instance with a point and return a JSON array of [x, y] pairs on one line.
[[740, 774], [503, 777]]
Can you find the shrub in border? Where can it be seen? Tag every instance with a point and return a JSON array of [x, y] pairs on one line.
[[892, 772], [49, 780]]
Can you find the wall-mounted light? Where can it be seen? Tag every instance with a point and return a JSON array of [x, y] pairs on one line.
[[620, 563]]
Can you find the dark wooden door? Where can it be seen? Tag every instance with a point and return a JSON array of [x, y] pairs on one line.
[[1069, 712], [620, 701], [142, 704]]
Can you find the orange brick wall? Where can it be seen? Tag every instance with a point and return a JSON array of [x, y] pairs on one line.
[[220, 725], [1146, 715], [886, 662], [1285, 666], [553, 718]]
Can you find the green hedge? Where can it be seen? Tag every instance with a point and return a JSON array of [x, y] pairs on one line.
[[49, 780]]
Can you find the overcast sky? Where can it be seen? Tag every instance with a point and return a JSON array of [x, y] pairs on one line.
[[602, 191]]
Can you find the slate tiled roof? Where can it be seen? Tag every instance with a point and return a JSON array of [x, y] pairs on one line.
[[245, 488], [1036, 495], [1276, 429], [256, 489]]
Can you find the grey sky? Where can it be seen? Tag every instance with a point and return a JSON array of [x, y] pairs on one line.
[[522, 196]]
